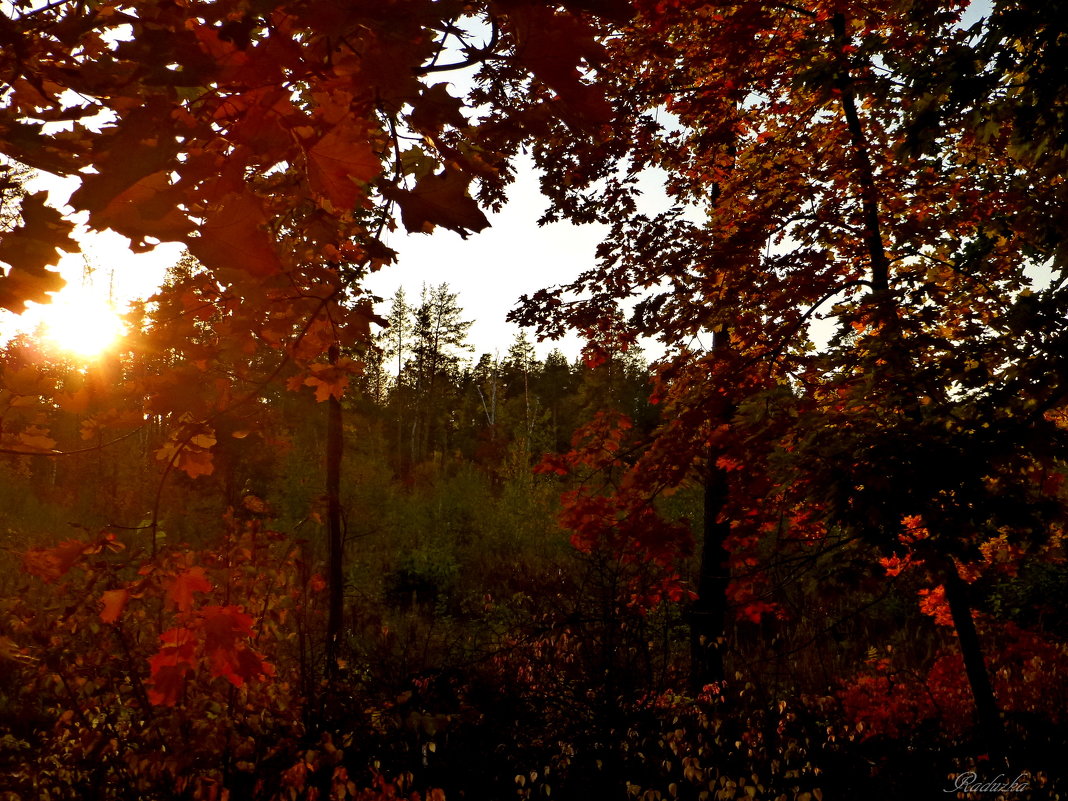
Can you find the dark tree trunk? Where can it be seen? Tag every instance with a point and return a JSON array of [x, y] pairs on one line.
[[708, 615], [901, 371], [989, 719], [335, 533]]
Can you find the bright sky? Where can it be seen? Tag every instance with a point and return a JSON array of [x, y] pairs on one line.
[[488, 271], [106, 275]]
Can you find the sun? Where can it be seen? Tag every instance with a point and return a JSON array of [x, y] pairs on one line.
[[81, 324]]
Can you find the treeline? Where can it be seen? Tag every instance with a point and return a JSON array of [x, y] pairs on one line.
[[446, 404]]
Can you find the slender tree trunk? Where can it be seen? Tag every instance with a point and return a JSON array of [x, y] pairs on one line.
[[708, 615], [335, 533], [990, 727]]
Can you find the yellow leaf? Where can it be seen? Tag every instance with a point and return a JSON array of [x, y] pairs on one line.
[[203, 440]]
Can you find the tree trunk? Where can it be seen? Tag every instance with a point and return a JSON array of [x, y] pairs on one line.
[[335, 533], [708, 615], [990, 727]]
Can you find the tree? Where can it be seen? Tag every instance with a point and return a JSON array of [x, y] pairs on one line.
[[396, 336], [554, 386], [861, 164], [438, 334], [518, 364]]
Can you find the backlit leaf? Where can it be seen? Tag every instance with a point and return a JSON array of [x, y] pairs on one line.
[[443, 200], [114, 602], [180, 589]]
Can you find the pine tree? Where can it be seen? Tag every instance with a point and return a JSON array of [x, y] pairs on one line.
[[439, 337]]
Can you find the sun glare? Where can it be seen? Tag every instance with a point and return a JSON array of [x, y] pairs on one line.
[[81, 325]]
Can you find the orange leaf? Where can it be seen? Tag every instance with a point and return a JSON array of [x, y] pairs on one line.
[[327, 386], [194, 462], [114, 602], [192, 457], [51, 563], [29, 249], [180, 589], [339, 163]]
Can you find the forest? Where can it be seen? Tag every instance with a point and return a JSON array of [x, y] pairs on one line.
[[289, 541]]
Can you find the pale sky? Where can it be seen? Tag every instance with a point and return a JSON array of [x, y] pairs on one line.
[[491, 269], [488, 271]]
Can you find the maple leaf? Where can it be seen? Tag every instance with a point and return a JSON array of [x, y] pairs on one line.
[[29, 249], [331, 380], [168, 667], [340, 163], [114, 602], [259, 120], [194, 462], [192, 456], [166, 682], [934, 604], [134, 147], [225, 630], [27, 382], [435, 108], [440, 199], [553, 45], [53, 563], [179, 590], [147, 208], [76, 402], [234, 237]]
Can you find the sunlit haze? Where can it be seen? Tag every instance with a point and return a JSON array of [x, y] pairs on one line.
[[488, 271], [79, 323]]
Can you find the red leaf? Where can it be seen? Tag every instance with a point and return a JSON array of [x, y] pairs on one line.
[[234, 237], [226, 628], [167, 683], [169, 666], [114, 602], [181, 588], [339, 163], [148, 208], [553, 45]]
